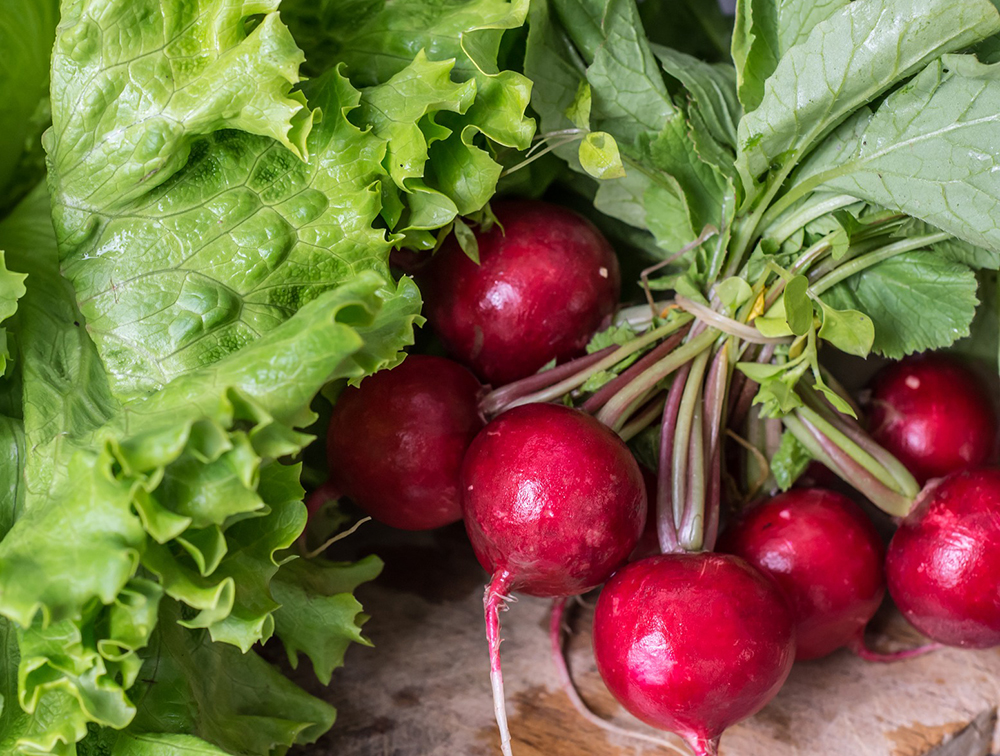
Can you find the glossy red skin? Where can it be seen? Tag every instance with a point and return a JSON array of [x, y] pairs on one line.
[[943, 565], [826, 557], [934, 415], [693, 643], [396, 442], [545, 283], [553, 498], [649, 541]]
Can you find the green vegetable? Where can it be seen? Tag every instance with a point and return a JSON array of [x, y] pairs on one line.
[[210, 250]]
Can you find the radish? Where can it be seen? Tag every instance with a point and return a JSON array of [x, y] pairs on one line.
[[396, 442], [826, 557], [693, 643], [934, 415], [553, 503], [944, 560], [547, 280]]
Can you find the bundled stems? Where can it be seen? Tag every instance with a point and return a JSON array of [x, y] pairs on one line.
[[514, 394], [826, 450]]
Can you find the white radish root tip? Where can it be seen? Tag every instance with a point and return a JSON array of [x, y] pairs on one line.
[[494, 600]]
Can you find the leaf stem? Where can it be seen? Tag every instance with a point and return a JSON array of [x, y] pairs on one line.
[[858, 264], [779, 231], [614, 413]]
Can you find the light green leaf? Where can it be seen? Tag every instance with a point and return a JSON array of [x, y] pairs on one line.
[[789, 462], [579, 110], [845, 62], [126, 115], [380, 44], [244, 705], [466, 239], [162, 744], [917, 301], [172, 300], [765, 30], [926, 152], [319, 616], [712, 88], [848, 330], [798, 306], [733, 292], [599, 156]]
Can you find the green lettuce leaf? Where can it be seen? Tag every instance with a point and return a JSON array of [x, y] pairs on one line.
[[846, 61], [27, 29], [377, 41], [319, 616], [185, 484]]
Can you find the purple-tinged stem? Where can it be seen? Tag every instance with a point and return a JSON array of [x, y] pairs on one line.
[[666, 523], [498, 399], [748, 390], [600, 398], [644, 417]]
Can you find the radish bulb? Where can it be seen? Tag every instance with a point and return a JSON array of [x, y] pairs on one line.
[[553, 503], [693, 643]]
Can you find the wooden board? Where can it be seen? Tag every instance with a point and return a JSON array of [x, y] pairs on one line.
[[424, 690]]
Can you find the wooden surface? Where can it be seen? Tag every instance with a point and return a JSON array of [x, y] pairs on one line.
[[424, 690]]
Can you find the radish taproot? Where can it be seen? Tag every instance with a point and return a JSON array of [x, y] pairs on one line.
[[546, 281], [934, 415], [944, 559], [692, 643], [553, 502], [825, 556], [396, 442]]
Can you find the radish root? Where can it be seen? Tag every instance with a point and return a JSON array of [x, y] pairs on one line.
[[494, 601], [556, 638], [860, 648]]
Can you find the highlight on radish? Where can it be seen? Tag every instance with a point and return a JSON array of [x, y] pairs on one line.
[[545, 282], [944, 559], [396, 442], [553, 503], [693, 643], [826, 557], [934, 414]]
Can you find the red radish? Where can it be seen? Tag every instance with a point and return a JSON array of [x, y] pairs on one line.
[[553, 503], [649, 541], [944, 561], [826, 557], [546, 282], [396, 442], [692, 643], [934, 414]]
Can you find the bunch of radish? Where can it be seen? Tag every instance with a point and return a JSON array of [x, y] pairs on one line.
[[698, 627]]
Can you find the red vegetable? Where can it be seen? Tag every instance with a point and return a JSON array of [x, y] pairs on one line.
[[943, 564], [396, 442], [826, 557], [934, 415], [692, 643], [553, 503], [546, 282]]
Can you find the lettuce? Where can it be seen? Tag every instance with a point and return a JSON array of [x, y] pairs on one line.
[[209, 250]]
